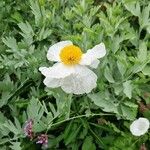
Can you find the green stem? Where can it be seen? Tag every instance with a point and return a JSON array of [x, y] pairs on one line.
[[80, 116], [136, 141]]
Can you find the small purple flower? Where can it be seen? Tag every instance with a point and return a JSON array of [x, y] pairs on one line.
[[28, 128], [43, 139]]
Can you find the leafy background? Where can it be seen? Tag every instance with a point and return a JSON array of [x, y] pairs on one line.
[[99, 120]]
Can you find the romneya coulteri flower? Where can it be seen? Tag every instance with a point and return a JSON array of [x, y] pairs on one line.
[[43, 139], [139, 126], [28, 128], [71, 71]]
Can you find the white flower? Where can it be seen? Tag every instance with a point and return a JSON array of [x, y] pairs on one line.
[[139, 126], [71, 72]]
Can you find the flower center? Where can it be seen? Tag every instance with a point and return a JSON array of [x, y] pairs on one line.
[[70, 55]]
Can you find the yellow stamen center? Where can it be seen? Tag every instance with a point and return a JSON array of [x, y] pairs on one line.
[[70, 55]]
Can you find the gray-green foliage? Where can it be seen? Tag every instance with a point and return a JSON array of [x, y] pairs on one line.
[[28, 28]]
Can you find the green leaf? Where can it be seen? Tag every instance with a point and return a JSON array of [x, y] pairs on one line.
[[129, 110], [122, 67], [104, 102], [116, 43], [44, 33], [144, 18], [108, 75], [27, 32], [35, 109], [63, 102], [146, 71], [15, 128], [113, 127], [68, 129], [133, 7], [2, 118], [36, 10], [4, 140], [39, 126], [17, 124], [142, 54], [10, 42], [15, 146], [17, 16], [127, 88], [118, 89], [138, 67], [124, 142], [88, 144], [73, 134]]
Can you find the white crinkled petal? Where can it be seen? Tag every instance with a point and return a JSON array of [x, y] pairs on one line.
[[52, 82], [95, 63], [93, 54], [139, 126], [44, 71], [57, 71], [82, 81], [54, 50]]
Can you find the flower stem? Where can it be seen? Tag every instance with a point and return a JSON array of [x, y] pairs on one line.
[[80, 116]]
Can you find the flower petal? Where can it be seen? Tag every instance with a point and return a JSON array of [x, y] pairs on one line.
[[52, 82], [139, 126], [95, 64], [44, 71], [54, 50], [82, 81], [96, 52], [57, 71]]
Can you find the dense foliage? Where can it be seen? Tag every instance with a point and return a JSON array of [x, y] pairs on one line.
[[99, 120]]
